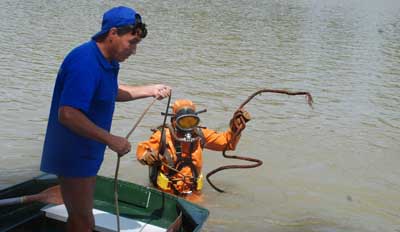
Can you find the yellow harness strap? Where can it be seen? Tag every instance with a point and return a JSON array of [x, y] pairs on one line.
[[164, 182]]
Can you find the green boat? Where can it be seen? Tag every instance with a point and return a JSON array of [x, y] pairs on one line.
[[141, 209]]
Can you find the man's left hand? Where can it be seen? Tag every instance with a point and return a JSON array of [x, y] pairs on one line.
[[161, 91]]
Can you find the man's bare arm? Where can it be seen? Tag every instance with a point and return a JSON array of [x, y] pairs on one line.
[[128, 92], [77, 121]]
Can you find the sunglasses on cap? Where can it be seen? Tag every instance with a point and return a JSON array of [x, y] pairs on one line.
[[138, 25]]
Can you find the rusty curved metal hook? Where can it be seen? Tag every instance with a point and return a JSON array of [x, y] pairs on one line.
[[257, 162], [307, 94]]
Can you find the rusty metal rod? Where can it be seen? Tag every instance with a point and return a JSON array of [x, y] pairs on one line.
[[257, 162]]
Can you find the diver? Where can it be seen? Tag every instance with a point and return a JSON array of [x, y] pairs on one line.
[[174, 151]]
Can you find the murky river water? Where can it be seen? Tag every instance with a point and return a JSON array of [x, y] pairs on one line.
[[331, 168]]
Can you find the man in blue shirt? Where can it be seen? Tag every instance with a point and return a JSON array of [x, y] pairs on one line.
[[82, 107]]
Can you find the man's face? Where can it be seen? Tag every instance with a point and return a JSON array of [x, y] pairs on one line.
[[124, 46]]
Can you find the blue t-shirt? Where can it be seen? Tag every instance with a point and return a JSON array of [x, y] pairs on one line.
[[88, 82]]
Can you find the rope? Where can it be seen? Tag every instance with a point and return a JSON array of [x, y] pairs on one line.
[[118, 162], [240, 126]]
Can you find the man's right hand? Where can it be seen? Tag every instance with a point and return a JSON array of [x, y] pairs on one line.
[[119, 144]]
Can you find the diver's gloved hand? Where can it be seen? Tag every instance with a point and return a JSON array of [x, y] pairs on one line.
[[149, 158], [239, 120]]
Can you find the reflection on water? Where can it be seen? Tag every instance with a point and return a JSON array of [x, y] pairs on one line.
[[331, 168]]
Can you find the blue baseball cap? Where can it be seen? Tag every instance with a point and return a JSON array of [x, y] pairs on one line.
[[117, 17]]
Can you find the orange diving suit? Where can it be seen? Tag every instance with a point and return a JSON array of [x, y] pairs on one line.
[[175, 159]]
